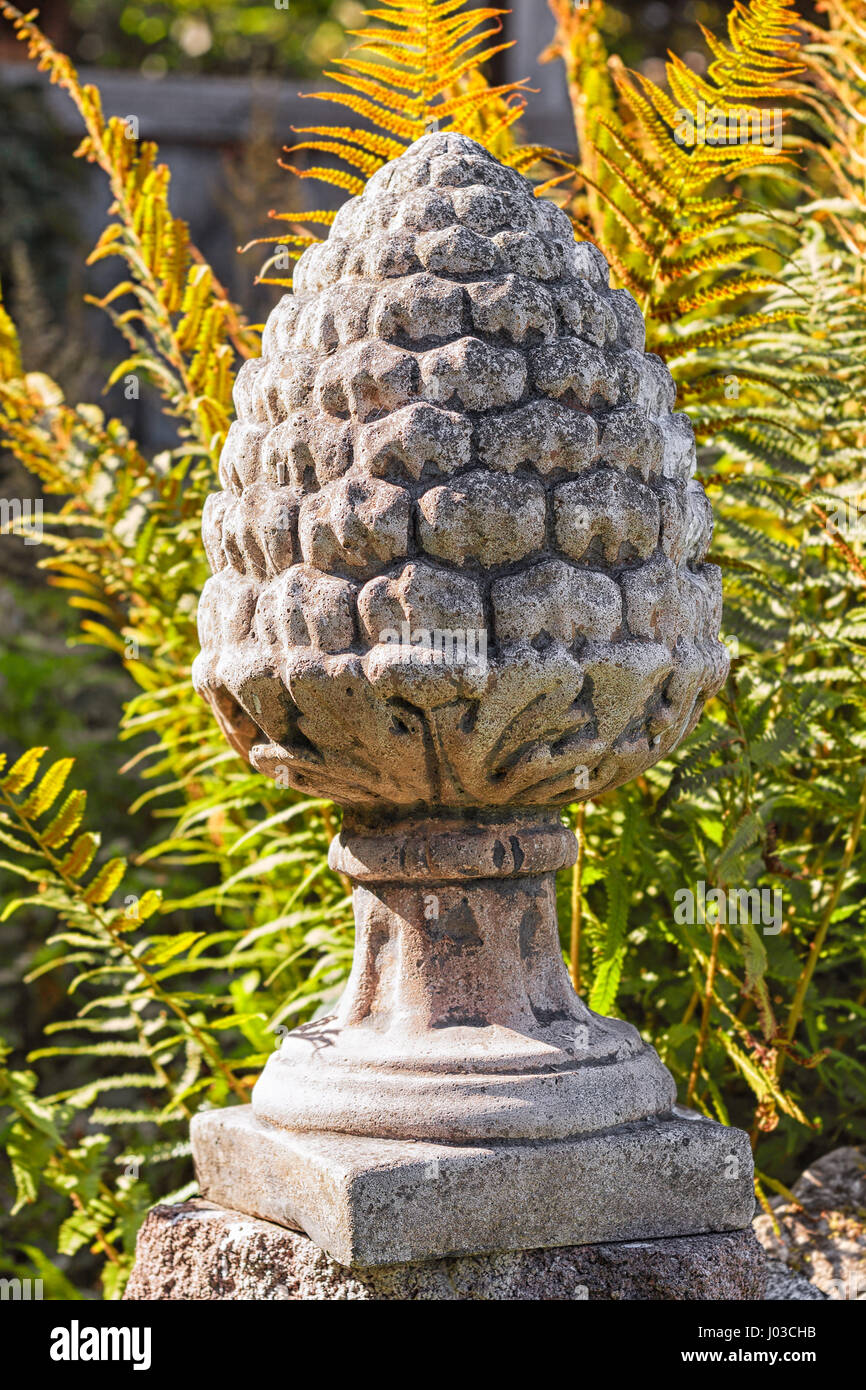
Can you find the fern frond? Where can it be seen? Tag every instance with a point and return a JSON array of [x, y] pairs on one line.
[[163, 267]]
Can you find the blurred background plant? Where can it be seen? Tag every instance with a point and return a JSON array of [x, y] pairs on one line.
[[158, 36], [166, 918]]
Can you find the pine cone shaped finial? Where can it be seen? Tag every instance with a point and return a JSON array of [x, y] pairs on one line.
[[459, 552]]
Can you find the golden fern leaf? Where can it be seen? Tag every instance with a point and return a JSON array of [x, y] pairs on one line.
[[370, 111], [675, 268], [635, 185], [646, 185], [155, 246], [723, 333], [723, 292], [359, 159], [386, 97], [67, 820], [636, 235], [367, 139], [10, 351], [323, 217], [836, 61], [491, 127], [409, 67], [418, 64], [463, 107], [338, 178], [653, 176]]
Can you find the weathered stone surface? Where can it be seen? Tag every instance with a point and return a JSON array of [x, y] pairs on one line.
[[380, 1201], [199, 1251], [784, 1285], [606, 518], [453, 379], [544, 603], [355, 526], [823, 1238], [422, 596], [483, 517], [459, 1022]]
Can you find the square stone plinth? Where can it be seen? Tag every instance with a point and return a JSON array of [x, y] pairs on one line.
[[385, 1201]]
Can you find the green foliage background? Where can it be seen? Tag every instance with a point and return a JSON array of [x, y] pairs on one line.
[[157, 958], [210, 35]]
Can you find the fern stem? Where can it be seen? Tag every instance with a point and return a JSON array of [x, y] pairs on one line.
[[705, 1013], [691, 1006], [100, 1238], [841, 545], [577, 897], [161, 1073]]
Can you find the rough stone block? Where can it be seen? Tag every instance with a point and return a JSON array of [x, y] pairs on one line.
[[198, 1251], [819, 1239]]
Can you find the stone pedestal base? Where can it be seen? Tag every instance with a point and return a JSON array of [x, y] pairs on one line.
[[201, 1251], [374, 1201]]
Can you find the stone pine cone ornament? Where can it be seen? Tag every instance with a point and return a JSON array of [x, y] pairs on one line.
[[455, 438], [458, 583]]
